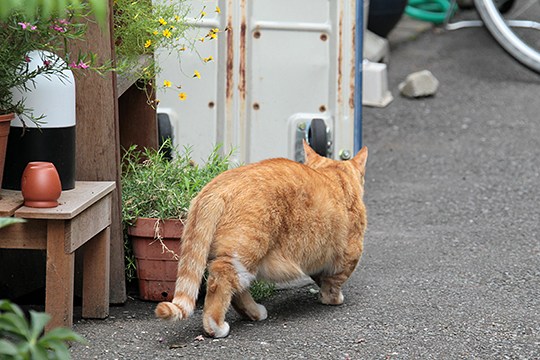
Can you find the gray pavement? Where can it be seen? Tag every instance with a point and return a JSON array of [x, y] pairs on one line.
[[451, 268]]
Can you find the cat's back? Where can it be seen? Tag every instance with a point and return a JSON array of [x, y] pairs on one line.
[[266, 177]]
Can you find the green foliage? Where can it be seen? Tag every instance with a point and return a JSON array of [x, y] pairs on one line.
[[140, 27], [261, 290], [5, 221], [44, 8], [20, 34], [155, 187], [21, 340]]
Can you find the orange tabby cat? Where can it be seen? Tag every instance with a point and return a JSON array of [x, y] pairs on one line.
[[276, 220]]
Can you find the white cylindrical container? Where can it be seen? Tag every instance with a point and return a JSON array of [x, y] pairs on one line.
[[51, 96]]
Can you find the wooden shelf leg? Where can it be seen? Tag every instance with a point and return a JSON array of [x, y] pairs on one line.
[[59, 277], [96, 268]]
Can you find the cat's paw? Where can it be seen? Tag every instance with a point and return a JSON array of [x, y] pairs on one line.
[[263, 314], [331, 299], [214, 330]]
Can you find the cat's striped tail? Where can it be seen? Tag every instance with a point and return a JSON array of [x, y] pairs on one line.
[[198, 234]]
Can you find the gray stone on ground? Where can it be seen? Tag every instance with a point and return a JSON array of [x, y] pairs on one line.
[[419, 84]]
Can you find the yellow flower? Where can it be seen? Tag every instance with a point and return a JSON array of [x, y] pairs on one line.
[[183, 48], [197, 74], [155, 32], [166, 83], [210, 58], [218, 10], [167, 33], [176, 17], [215, 30], [182, 96], [203, 13], [148, 43], [201, 39], [162, 21], [213, 36]]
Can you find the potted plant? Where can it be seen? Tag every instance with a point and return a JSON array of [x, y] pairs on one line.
[[156, 193], [32, 46]]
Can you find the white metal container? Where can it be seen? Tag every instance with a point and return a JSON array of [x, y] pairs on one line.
[[279, 64]]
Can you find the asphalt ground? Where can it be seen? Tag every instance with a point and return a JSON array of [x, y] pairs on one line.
[[451, 268]]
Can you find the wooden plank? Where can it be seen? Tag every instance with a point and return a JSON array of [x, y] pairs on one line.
[[31, 235], [59, 277], [10, 200], [124, 82], [87, 224], [96, 267], [138, 120], [71, 202], [98, 141]]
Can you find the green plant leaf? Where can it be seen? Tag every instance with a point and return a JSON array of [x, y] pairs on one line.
[[15, 324], [38, 320], [100, 10], [7, 348], [59, 349], [39, 353], [62, 334], [8, 306], [9, 220]]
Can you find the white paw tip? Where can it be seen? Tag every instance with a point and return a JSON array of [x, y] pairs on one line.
[[222, 331], [263, 314]]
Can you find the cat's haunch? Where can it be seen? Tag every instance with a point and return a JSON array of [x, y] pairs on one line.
[[276, 220]]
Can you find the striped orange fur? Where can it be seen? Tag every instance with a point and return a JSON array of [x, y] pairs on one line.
[[277, 220]]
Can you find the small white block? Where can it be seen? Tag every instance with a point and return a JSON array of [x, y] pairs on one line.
[[419, 84], [375, 85]]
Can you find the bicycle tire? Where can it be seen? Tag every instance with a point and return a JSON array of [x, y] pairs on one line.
[[506, 37]]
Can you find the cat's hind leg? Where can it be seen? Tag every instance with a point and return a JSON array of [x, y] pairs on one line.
[[244, 304], [226, 276], [330, 285]]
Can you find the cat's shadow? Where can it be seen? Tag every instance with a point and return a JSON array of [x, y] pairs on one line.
[[284, 307]]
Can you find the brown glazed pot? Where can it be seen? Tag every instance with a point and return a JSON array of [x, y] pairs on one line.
[[156, 267], [5, 122], [40, 185]]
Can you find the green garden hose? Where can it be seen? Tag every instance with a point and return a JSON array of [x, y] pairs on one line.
[[434, 11]]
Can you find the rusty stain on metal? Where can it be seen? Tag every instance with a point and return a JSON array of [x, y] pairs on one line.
[[353, 69], [256, 106], [242, 80], [230, 59], [257, 34], [322, 108], [324, 37], [211, 104]]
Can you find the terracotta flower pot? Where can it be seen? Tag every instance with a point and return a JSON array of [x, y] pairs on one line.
[[5, 121], [40, 185], [156, 266]]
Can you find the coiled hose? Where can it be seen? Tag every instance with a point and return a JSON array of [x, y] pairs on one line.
[[434, 11]]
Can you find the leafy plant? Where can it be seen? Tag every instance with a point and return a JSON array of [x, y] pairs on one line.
[[155, 187], [21, 35], [143, 26], [44, 8], [20, 339], [261, 290]]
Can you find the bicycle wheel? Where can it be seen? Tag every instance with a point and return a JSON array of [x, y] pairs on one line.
[[516, 31]]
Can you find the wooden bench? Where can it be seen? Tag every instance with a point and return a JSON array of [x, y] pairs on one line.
[[81, 221]]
